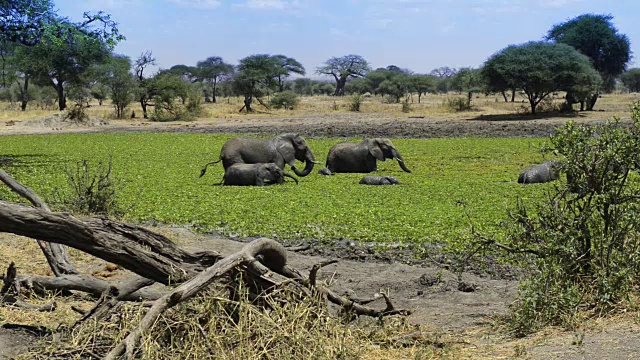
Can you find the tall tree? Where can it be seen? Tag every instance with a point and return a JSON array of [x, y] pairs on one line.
[[213, 70], [539, 69], [115, 75], [285, 66], [255, 76], [343, 68], [596, 37], [145, 94], [468, 80], [422, 84]]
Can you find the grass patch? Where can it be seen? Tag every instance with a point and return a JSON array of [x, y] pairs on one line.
[[160, 176]]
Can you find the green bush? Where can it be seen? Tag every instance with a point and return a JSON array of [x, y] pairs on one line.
[[458, 104], [355, 102], [581, 245], [286, 99]]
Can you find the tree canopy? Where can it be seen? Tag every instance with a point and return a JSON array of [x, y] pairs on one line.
[[539, 69], [343, 68], [631, 79], [597, 38]]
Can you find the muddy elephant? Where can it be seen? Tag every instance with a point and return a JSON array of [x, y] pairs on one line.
[[254, 174], [281, 150], [361, 157], [540, 173], [379, 180]]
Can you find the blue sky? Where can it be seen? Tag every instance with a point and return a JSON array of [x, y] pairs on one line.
[[417, 34]]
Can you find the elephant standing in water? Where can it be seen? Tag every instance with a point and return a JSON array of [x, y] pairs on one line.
[[361, 157], [254, 174], [281, 150], [540, 173]]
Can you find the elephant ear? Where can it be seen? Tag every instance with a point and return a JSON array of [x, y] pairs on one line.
[[285, 148], [374, 149]]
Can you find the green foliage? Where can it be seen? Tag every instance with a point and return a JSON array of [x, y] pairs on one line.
[[355, 102], [357, 86], [173, 98], [581, 245], [631, 79], [597, 38], [458, 104], [285, 99], [99, 92], [468, 81], [120, 83], [539, 69], [159, 176], [212, 70], [93, 190]]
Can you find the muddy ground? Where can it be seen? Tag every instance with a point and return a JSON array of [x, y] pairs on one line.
[[431, 292]]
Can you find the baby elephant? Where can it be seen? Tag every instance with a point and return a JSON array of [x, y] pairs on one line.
[[379, 180], [540, 173], [254, 174]]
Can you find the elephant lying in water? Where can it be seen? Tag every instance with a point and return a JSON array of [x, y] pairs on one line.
[[361, 157], [379, 180], [281, 150], [254, 174], [540, 173]]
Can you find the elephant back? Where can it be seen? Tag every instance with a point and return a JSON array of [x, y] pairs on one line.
[[247, 151]]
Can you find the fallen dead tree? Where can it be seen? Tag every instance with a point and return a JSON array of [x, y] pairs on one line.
[[153, 258]]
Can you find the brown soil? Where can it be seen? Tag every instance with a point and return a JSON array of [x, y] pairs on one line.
[[432, 293]]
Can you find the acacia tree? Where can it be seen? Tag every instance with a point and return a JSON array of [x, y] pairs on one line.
[[213, 70], [468, 80], [422, 84], [254, 77], [121, 84], [631, 79], [596, 37], [343, 68], [539, 69], [285, 66]]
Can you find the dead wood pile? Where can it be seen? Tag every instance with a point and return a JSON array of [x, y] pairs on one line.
[[153, 259]]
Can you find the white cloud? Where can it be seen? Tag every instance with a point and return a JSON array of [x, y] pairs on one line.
[[559, 3], [198, 4], [266, 4]]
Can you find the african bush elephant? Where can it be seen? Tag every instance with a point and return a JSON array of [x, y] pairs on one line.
[[281, 150], [361, 157], [379, 180], [540, 173], [254, 174]]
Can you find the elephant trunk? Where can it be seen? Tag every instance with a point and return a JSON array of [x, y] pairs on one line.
[[291, 177], [398, 157], [309, 163]]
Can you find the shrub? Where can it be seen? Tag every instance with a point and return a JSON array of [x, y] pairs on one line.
[[406, 107], [458, 104], [581, 245], [354, 102], [93, 190], [285, 99]]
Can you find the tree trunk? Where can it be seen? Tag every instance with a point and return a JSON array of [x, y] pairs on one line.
[[213, 95], [143, 104], [419, 97], [533, 106], [25, 94], [592, 101], [340, 84], [62, 100], [504, 95], [469, 96], [247, 103], [513, 95]]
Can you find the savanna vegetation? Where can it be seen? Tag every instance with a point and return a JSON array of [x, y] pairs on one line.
[[573, 243]]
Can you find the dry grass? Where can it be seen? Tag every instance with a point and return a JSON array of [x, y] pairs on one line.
[[432, 106]]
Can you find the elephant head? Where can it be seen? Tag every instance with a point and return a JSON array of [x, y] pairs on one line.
[[382, 149], [292, 147]]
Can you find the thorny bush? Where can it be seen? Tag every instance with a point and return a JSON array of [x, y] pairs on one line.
[[580, 246]]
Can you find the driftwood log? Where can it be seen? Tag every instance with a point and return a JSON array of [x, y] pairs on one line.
[[152, 257]]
